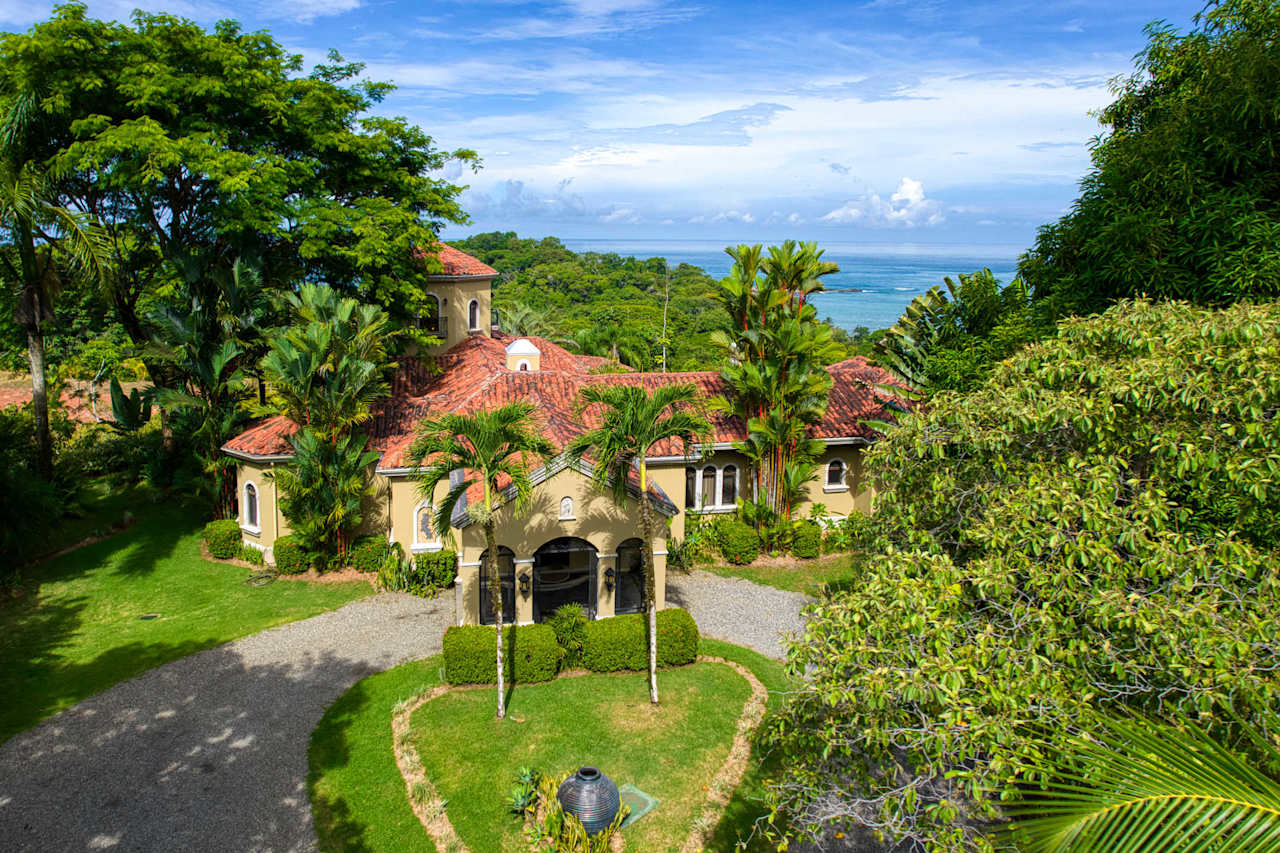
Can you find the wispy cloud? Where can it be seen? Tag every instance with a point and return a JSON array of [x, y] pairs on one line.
[[907, 207]]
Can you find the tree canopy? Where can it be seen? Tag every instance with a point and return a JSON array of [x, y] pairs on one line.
[[1094, 528]]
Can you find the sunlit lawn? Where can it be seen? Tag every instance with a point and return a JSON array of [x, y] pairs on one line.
[[78, 628]]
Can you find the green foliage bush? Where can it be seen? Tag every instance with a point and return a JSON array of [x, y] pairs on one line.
[[570, 624], [367, 553], [622, 642], [1094, 530], [291, 557], [252, 555], [806, 543], [529, 653], [739, 543], [222, 538], [436, 570], [423, 574], [855, 532]]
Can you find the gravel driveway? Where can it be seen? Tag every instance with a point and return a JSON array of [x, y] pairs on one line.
[[737, 610], [208, 752]]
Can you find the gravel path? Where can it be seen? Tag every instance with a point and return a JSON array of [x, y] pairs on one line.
[[208, 752], [737, 610]]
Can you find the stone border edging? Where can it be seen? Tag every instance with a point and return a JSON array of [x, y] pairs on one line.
[[430, 808]]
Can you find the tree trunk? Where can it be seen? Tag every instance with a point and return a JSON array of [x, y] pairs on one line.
[[495, 595], [39, 399], [650, 581]]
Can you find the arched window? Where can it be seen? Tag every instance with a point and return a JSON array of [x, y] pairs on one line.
[[506, 577], [524, 365], [473, 315], [690, 488], [835, 473], [249, 510], [424, 528], [709, 486], [566, 509], [729, 485], [628, 590], [431, 322]]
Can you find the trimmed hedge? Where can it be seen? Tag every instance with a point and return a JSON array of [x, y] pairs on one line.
[[739, 544], [223, 538], [367, 553], [436, 570], [529, 653], [291, 558], [807, 541], [622, 642]]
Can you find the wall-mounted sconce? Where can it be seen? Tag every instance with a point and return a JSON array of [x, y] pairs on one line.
[[608, 578], [525, 584]]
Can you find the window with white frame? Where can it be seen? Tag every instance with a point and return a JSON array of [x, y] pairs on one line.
[[424, 528], [711, 487], [836, 471], [249, 507]]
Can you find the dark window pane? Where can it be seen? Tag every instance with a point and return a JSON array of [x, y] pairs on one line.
[[729, 486], [835, 473], [628, 596], [690, 488]]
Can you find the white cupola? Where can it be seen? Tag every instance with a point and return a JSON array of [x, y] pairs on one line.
[[523, 355]]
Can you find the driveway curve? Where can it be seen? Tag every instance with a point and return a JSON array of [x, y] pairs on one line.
[[739, 611], [207, 753]]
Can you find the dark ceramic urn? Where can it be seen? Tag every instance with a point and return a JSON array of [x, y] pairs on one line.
[[591, 796]]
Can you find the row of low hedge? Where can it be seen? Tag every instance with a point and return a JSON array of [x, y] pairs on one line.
[[735, 541], [532, 653]]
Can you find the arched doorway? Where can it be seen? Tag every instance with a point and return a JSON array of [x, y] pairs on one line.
[[628, 596], [507, 578], [564, 572]]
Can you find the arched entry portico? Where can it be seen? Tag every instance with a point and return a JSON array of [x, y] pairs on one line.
[[564, 572]]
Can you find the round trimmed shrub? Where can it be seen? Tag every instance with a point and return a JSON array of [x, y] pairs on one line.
[[291, 558], [739, 543], [529, 653], [222, 538], [807, 541], [367, 553]]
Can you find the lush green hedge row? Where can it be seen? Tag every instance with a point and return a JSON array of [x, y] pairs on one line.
[[534, 652], [622, 642], [222, 538], [530, 653]]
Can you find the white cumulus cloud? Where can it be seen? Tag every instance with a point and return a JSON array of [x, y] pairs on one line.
[[907, 207]]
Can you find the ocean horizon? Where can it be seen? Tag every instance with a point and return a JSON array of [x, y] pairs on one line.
[[876, 280]]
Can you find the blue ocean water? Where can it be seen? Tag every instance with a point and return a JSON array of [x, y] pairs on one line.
[[885, 276]]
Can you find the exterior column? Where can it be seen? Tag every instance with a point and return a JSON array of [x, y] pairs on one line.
[[605, 596], [524, 603]]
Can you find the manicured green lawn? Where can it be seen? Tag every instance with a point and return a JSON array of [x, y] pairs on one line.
[[358, 796], [806, 576], [77, 631]]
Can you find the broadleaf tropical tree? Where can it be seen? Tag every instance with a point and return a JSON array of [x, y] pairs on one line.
[[632, 422], [496, 449]]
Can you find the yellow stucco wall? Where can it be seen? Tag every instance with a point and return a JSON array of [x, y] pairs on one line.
[[270, 523], [455, 297], [856, 492]]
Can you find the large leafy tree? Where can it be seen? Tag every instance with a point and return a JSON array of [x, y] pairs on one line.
[[632, 422], [183, 141], [496, 449], [1183, 201], [1093, 529]]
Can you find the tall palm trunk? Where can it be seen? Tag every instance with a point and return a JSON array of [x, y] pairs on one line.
[[495, 596], [650, 584], [39, 400]]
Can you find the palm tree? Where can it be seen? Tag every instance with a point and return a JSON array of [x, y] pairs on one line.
[[632, 421], [42, 232], [486, 447], [1139, 787]]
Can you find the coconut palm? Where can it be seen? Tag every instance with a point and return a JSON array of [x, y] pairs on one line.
[[49, 240], [488, 447], [632, 421], [1139, 787]]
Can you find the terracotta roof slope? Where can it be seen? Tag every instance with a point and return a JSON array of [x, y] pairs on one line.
[[456, 263]]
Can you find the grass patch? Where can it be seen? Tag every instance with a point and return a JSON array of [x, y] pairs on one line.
[[670, 752], [357, 794], [76, 629], [359, 798], [804, 576]]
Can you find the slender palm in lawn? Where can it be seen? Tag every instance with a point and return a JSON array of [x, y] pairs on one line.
[[1139, 787], [503, 443], [632, 421], [49, 239]]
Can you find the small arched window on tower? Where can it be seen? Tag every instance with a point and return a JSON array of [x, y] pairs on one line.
[[431, 321], [250, 512], [835, 474], [473, 315], [524, 366]]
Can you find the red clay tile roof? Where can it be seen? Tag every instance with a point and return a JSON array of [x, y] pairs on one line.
[[74, 401], [473, 376], [456, 262]]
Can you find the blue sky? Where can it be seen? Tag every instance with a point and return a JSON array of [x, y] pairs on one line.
[[887, 121]]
